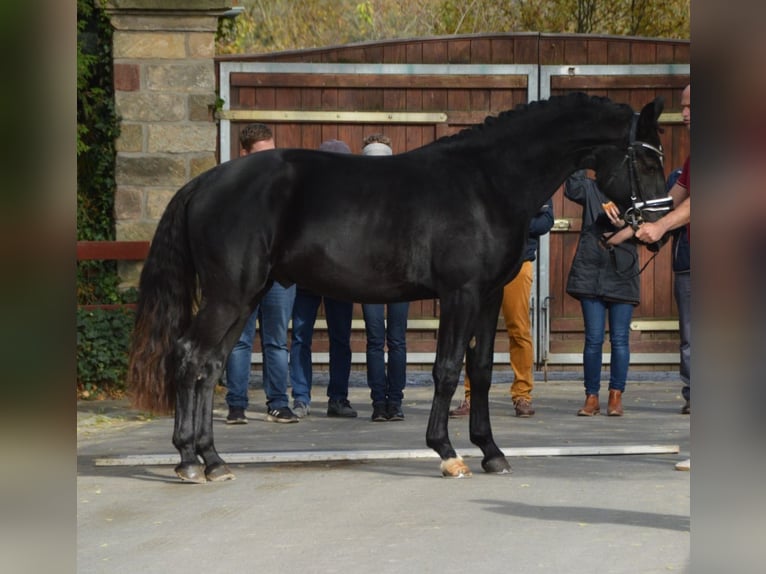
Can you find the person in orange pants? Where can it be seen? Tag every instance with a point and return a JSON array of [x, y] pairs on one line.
[[517, 322]]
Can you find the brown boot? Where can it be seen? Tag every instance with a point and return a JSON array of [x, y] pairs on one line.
[[523, 408], [614, 407], [590, 407], [462, 410]]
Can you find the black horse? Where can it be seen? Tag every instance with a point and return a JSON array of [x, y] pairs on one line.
[[447, 220]]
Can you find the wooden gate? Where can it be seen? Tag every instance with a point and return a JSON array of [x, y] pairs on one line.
[[415, 91]]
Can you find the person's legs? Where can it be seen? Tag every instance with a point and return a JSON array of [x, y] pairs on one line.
[[338, 315], [519, 327], [238, 366], [396, 338], [683, 291], [594, 316], [620, 315], [375, 328], [276, 310], [304, 316]]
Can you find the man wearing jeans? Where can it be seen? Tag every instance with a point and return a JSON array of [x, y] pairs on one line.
[[338, 315], [274, 313]]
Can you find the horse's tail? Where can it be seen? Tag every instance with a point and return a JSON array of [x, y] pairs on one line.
[[167, 298]]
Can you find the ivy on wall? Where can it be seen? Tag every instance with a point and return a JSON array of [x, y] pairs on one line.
[[97, 130], [102, 335]]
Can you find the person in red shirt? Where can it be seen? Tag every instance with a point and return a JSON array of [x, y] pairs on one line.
[[651, 232]]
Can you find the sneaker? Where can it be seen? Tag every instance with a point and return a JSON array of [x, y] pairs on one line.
[[281, 415], [395, 412], [236, 416], [379, 413], [523, 408], [684, 465], [463, 409], [687, 408], [301, 409], [341, 408]]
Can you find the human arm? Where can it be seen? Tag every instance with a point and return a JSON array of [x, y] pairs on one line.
[[575, 187], [650, 232], [542, 221]]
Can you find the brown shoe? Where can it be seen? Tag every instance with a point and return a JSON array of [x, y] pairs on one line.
[[523, 408], [614, 407], [463, 409], [590, 407]]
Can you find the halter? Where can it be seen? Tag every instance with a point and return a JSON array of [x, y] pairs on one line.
[[634, 215]]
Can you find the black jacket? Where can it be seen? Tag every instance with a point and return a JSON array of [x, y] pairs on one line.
[[598, 271], [540, 225]]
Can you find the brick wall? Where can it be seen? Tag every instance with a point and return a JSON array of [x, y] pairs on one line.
[[164, 79]]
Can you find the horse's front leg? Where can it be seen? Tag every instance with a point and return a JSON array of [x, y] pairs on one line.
[[479, 368], [458, 314]]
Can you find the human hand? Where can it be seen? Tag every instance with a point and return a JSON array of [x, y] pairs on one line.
[[650, 232], [613, 213]]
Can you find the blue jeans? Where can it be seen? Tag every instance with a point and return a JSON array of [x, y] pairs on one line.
[[683, 291], [338, 315], [594, 313], [386, 388], [274, 312]]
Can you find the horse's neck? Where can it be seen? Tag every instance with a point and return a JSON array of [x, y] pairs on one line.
[[551, 149]]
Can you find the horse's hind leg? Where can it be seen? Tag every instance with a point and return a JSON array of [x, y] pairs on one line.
[[201, 354], [479, 369]]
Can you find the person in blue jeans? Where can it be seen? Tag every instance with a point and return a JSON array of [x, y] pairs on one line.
[[338, 315], [604, 278], [273, 313], [385, 326]]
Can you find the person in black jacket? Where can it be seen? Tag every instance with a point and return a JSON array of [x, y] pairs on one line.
[[518, 324], [604, 278]]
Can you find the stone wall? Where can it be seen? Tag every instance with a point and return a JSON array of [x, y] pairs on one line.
[[164, 79]]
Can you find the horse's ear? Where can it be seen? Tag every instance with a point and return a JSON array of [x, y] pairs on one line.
[[648, 121]]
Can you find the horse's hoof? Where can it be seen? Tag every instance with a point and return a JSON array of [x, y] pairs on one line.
[[455, 468], [218, 473], [191, 473], [497, 465]]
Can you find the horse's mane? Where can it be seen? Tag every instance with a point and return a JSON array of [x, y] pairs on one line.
[[555, 104]]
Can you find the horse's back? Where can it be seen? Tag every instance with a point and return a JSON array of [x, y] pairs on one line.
[[357, 227]]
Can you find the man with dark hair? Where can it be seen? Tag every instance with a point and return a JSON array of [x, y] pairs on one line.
[[274, 312]]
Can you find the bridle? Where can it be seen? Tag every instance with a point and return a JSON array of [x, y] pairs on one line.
[[634, 215]]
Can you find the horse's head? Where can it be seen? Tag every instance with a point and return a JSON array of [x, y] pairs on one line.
[[633, 175]]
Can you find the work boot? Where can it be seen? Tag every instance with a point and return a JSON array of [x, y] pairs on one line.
[[614, 407], [340, 408], [590, 407], [523, 408]]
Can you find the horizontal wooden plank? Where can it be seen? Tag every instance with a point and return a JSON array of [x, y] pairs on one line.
[[318, 116], [403, 81], [112, 250], [621, 82]]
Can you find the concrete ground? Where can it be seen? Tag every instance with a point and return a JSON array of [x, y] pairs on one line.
[[568, 514]]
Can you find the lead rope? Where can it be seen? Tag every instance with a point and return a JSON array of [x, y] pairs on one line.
[[611, 249]]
